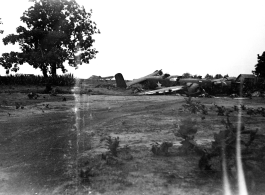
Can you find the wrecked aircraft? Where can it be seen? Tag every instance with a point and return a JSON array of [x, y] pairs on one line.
[[95, 77], [160, 83], [152, 81], [162, 91], [107, 78]]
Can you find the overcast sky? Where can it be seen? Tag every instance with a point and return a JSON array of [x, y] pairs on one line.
[[141, 36]]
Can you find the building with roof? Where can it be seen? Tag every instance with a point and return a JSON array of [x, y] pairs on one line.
[[246, 78]]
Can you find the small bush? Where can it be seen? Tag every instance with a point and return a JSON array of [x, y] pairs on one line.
[[187, 129], [161, 149], [112, 144]]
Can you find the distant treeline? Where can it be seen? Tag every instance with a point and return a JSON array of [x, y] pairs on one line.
[[60, 80]]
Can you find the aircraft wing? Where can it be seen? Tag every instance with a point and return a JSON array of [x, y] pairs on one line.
[[109, 77], [162, 91]]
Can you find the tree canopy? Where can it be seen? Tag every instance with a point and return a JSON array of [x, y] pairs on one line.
[[56, 31], [207, 76], [260, 66], [218, 76], [197, 76], [187, 75]]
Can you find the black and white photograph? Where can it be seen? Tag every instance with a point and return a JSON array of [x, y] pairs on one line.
[[130, 97]]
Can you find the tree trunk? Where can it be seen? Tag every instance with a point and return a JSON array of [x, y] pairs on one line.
[[44, 72], [53, 68]]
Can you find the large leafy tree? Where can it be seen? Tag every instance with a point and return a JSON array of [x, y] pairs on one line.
[[56, 31], [260, 66]]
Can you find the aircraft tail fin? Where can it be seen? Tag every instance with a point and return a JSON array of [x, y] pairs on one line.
[[120, 81]]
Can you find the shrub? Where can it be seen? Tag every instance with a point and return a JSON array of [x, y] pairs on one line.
[[112, 144], [161, 149]]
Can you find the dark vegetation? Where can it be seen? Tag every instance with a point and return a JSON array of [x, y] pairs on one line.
[[112, 144], [194, 107], [60, 80], [260, 66], [115, 154], [161, 149]]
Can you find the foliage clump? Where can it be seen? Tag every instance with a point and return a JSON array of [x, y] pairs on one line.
[[220, 110], [187, 130], [243, 107], [194, 107], [111, 156], [85, 173], [224, 146], [112, 144], [161, 149], [259, 67]]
